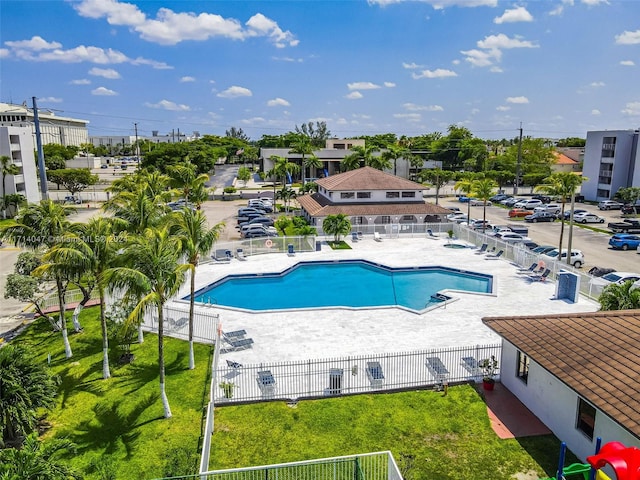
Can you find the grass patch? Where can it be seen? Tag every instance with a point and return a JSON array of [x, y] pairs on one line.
[[339, 245], [444, 436], [118, 424]]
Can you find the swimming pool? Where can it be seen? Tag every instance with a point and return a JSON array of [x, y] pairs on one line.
[[348, 283]]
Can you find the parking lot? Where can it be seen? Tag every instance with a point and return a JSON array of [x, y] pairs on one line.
[[593, 244]]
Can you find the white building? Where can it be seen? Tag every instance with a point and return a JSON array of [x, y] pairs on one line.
[[611, 162], [53, 129], [17, 144]]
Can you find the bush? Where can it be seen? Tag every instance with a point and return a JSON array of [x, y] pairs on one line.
[[229, 189]]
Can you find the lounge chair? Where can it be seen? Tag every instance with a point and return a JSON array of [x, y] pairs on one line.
[[374, 374], [437, 369], [240, 254], [234, 365], [527, 271], [377, 237], [222, 256], [235, 334], [360, 236], [432, 235], [540, 277], [235, 342], [354, 236], [290, 251], [266, 382], [482, 250], [472, 366], [494, 256]]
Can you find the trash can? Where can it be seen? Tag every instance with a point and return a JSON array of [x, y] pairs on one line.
[[335, 381], [318, 246]]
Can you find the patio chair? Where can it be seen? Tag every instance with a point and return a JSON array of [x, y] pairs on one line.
[[437, 369], [471, 365], [266, 382], [235, 334], [527, 271], [494, 256], [374, 374], [360, 236], [234, 365], [290, 251], [235, 343], [377, 237], [240, 254], [354, 236], [222, 256], [483, 249], [540, 277], [432, 235]]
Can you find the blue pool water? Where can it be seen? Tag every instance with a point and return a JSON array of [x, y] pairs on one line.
[[354, 284]]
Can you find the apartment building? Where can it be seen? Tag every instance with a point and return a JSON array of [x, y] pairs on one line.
[[17, 144]]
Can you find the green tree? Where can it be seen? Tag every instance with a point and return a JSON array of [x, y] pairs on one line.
[[336, 225], [28, 289], [153, 274], [629, 195], [318, 135], [74, 180], [184, 178], [244, 175], [196, 239], [237, 133], [286, 194], [8, 168], [361, 156], [483, 189], [465, 185], [25, 387], [394, 152], [562, 185], [436, 177], [38, 460], [620, 297], [281, 168], [302, 146]]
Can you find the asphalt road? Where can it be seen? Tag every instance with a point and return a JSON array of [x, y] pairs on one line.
[[594, 245]]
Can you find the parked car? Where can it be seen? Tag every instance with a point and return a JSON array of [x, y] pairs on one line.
[[609, 205], [567, 213], [474, 202], [624, 241], [543, 198], [464, 198], [248, 217], [587, 218], [511, 201], [243, 211], [549, 207], [258, 220], [511, 237], [542, 249], [259, 204], [577, 257], [540, 217], [499, 197], [104, 165], [614, 277], [528, 203], [630, 225], [519, 212], [480, 225], [530, 244], [72, 199], [631, 209], [254, 231]]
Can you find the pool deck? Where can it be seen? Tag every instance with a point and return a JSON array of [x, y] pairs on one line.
[[338, 332]]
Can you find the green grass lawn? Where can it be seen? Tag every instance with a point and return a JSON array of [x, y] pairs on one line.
[[117, 424], [430, 435]]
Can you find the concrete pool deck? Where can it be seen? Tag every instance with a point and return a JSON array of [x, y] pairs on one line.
[[338, 332]]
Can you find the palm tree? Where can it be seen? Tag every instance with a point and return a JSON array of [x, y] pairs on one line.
[[137, 208], [43, 225], [337, 225], [196, 239], [360, 156], [152, 276], [38, 460], [483, 189], [281, 168], [184, 177], [620, 297], [562, 185], [394, 152], [25, 387], [8, 168], [302, 146], [286, 194], [465, 185], [311, 162]]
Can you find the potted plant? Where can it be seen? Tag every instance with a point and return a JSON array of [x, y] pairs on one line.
[[489, 367], [227, 389]]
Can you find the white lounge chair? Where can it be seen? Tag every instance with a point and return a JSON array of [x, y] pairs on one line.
[[240, 254], [377, 237]]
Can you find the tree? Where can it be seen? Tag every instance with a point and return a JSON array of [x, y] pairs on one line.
[[185, 178], [629, 195], [360, 157], [244, 175], [286, 194], [465, 185], [74, 180], [28, 289], [483, 189], [196, 240], [393, 152], [317, 135], [25, 387], [437, 177], [336, 225], [562, 185], [8, 168], [37, 460], [237, 133], [281, 168], [620, 297], [302, 146], [152, 275]]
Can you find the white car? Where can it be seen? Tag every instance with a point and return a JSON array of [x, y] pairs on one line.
[[549, 207], [619, 278], [529, 203], [587, 217], [474, 202], [577, 257], [511, 237]]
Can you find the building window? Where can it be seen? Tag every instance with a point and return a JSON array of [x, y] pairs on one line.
[[364, 194], [603, 193], [523, 367], [608, 147], [408, 194], [385, 219], [358, 220], [586, 418], [393, 194], [408, 218], [347, 195]]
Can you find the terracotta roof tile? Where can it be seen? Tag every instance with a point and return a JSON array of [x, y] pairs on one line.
[[367, 178], [562, 159], [317, 205], [595, 354]]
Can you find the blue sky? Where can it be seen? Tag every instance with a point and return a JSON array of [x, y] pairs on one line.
[[560, 68]]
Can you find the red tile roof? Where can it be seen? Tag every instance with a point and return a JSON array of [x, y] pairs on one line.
[[595, 354], [367, 178], [318, 206], [562, 159]]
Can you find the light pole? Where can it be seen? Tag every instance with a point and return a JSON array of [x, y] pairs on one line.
[[41, 166]]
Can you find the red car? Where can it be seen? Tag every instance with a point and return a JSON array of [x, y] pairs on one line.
[[519, 212]]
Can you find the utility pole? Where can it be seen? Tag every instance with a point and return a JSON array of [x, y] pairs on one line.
[[518, 163], [135, 126], [41, 167]]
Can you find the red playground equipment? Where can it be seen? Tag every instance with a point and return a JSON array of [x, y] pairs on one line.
[[625, 461]]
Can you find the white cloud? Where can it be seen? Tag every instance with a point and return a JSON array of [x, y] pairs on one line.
[[278, 102], [235, 92], [595, 111], [409, 117], [362, 86], [518, 14], [35, 44], [502, 41], [557, 11], [441, 4], [411, 66], [437, 73], [169, 27], [412, 107], [503, 108], [632, 109], [152, 63], [102, 91], [109, 73], [50, 100], [627, 63], [187, 79], [80, 81], [595, 2], [354, 96], [519, 100], [389, 84], [491, 50], [496, 69], [628, 38], [4, 52], [287, 59], [168, 105], [480, 58], [597, 84]]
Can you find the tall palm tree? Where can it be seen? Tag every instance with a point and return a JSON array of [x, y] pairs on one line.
[[302, 146], [393, 153], [286, 194], [483, 189], [42, 226], [620, 297], [7, 168], [197, 240], [184, 177], [153, 274], [311, 162], [562, 185], [281, 168], [360, 157], [337, 225], [465, 185], [137, 208]]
